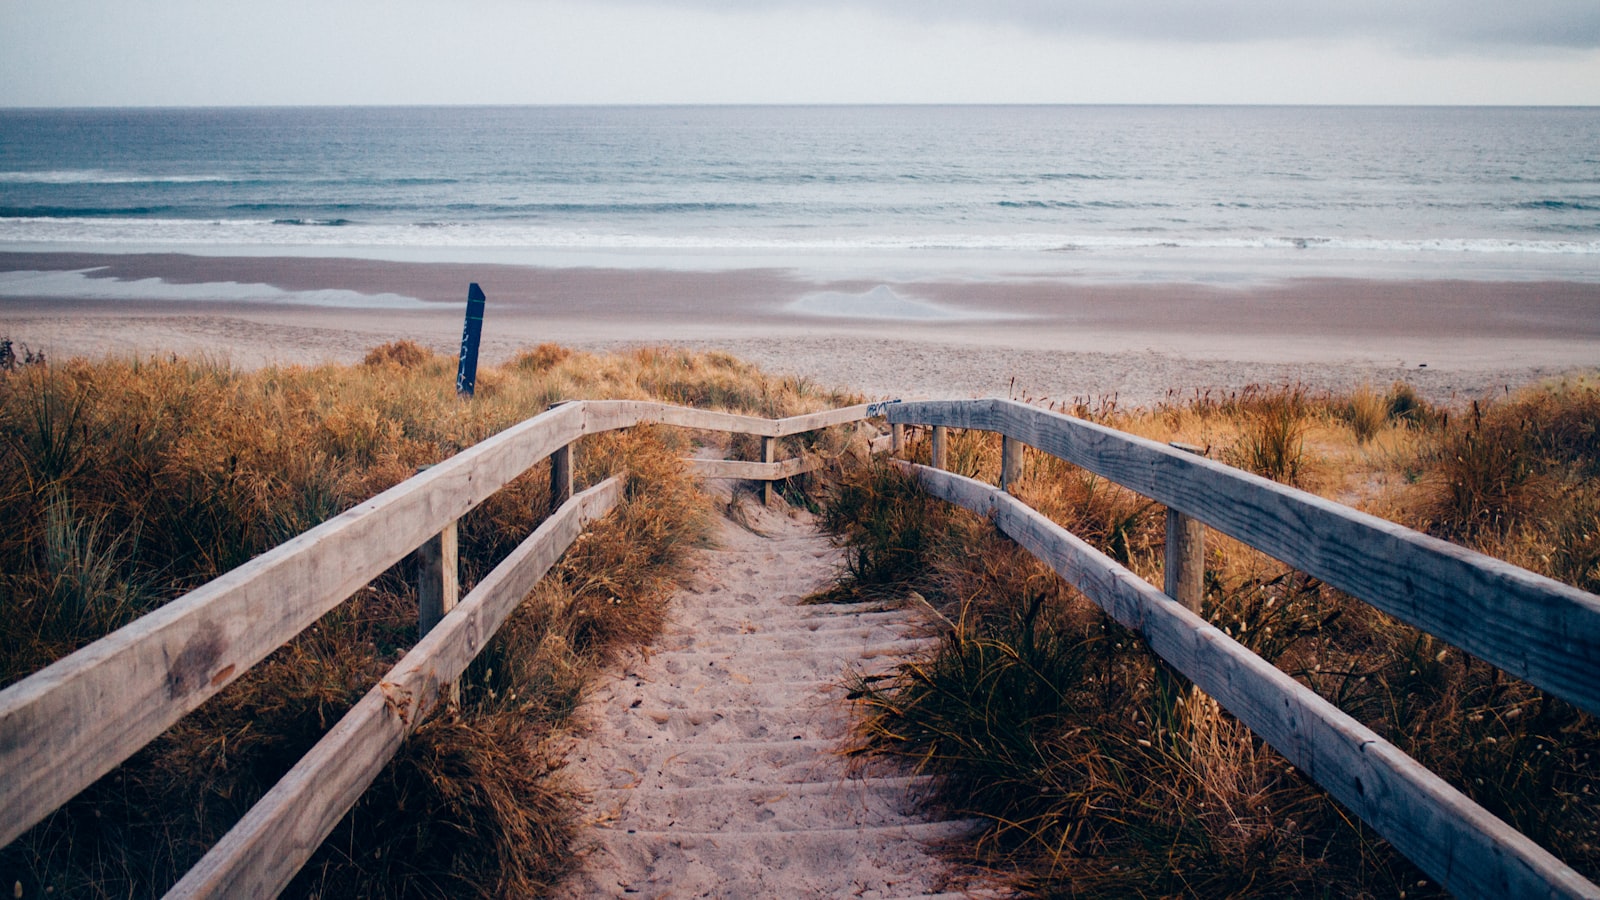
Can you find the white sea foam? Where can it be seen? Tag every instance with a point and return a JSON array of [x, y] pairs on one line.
[[882, 302], [97, 176], [293, 233], [1249, 193], [79, 285]]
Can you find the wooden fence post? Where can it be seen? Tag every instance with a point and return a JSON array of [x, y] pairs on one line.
[[897, 439], [561, 466], [1010, 463], [941, 446], [1186, 560], [1185, 567], [769, 450], [438, 585]]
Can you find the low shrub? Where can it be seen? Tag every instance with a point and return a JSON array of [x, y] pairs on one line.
[[887, 526], [404, 354], [1272, 435], [1366, 413]]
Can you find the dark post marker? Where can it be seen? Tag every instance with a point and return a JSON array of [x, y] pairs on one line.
[[467, 374]]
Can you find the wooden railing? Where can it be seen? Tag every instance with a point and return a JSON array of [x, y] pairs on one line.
[[77, 719], [1537, 629]]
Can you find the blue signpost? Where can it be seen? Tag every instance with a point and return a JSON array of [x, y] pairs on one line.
[[467, 374]]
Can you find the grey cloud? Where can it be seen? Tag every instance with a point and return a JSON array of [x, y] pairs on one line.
[[1432, 25]]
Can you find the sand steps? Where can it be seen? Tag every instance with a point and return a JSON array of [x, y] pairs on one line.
[[770, 664], [712, 760], [695, 763], [844, 862], [747, 807], [800, 638], [737, 691], [724, 725]]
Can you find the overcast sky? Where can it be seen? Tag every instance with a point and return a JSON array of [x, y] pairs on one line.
[[229, 52]]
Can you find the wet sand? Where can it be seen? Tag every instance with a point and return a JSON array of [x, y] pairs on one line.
[[1036, 337]]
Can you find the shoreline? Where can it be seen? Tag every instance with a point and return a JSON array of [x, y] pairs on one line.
[[1036, 338]]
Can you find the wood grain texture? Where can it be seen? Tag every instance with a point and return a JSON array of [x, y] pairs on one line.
[[562, 465], [75, 720], [1184, 570], [262, 853], [1470, 852], [1010, 463], [826, 419], [769, 450], [605, 415], [608, 415], [1533, 627], [438, 577], [745, 470]]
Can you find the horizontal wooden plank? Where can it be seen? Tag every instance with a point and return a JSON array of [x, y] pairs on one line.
[[76, 719], [828, 418], [1470, 852], [744, 470], [1533, 627], [261, 854], [606, 415]]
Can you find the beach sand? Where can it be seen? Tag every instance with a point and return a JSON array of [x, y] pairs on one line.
[[1034, 337]]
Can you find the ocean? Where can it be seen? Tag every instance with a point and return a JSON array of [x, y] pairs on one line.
[[1145, 193]]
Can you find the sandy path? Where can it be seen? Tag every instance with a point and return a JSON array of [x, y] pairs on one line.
[[712, 757]]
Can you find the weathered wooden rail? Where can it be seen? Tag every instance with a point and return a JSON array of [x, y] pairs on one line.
[[1538, 629], [72, 722], [79, 718]]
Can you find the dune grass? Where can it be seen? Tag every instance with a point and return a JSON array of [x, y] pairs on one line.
[[1103, 773], [129, 482]]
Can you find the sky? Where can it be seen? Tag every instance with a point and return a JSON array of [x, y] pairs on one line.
[[315, 52]]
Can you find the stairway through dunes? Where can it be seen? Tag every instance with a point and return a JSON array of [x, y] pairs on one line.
[[712, 758]]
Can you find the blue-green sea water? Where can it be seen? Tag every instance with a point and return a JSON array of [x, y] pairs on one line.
[[1103, 191]]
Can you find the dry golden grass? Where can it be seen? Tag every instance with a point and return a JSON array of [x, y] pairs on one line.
[[127, 482], [1104, 774]]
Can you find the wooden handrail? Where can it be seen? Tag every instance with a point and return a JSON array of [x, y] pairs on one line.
[[607, 415], [753, 471], [1456, 841], [260, 855], [1536, 628], [75, 720], [78, 718]]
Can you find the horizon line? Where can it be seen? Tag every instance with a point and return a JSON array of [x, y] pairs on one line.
[[791, 104]]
